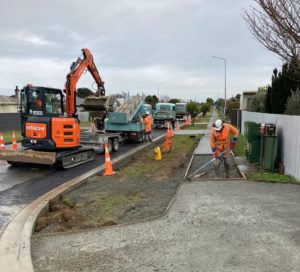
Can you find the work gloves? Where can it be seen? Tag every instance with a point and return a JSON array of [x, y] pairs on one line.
[[232, 144]]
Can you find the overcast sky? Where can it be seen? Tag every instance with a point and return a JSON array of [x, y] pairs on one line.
[[138, 46]]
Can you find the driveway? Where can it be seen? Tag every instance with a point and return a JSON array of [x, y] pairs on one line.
[[211, 226]]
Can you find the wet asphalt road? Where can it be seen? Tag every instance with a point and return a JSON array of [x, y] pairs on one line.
[[20, 185]]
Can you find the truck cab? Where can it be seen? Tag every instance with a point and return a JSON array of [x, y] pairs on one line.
[[180, 109], [164, 113]]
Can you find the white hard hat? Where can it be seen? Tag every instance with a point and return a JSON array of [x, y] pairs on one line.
[[218, 125], [147, 112]]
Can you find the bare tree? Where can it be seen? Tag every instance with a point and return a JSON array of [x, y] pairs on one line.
[[276, 25]]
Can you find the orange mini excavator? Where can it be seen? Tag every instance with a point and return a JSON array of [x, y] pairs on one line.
[[50, 135]]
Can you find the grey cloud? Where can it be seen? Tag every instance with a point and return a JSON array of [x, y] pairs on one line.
[[179, 36]]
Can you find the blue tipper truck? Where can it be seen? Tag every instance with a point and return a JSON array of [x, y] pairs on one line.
[[127, 119]]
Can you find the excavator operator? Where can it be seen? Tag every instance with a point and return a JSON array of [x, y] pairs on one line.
[[220, 141], [36, 103]]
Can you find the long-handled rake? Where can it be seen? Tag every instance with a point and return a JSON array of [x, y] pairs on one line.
[[193, 175]]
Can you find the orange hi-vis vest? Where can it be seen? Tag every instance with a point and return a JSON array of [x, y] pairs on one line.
[[220, 140], [148, 123]]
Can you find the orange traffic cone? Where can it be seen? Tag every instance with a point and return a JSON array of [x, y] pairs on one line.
[[14, 141], [177, 125], [187, 120], [2, 145], [167, 145], [169, 134], [108, 171]]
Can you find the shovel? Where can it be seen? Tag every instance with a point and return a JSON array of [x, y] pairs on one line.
[[206, 164]]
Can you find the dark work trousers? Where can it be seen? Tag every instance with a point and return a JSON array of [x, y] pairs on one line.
[[227, 160]]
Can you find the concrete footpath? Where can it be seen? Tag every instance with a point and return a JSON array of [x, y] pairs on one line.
[[226, 225], [203, 147], [212, 226]]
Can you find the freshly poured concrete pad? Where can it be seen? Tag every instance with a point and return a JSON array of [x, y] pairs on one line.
[[209, 172]]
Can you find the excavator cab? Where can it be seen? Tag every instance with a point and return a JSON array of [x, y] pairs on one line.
[[41, 101], [43, 124]]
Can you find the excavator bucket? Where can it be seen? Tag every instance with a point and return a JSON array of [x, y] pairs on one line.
[[96, 103], [28, 156]]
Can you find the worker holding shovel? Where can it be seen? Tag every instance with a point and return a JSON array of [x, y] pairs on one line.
[[220, 141]]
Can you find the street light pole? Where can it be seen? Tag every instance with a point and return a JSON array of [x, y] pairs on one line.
[[225, 103]]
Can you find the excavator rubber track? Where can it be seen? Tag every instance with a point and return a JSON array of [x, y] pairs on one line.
[[72, 158]]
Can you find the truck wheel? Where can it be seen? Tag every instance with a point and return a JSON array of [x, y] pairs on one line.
[[115, 145], [141, 137], [110, 145], [173, 124]]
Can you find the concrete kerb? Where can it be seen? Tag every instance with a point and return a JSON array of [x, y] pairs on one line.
[[15, 240]]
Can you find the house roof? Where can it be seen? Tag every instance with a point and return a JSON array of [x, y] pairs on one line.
[[249, 92], [8, 100]]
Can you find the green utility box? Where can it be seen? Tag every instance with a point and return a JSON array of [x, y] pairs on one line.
[[253, 132], [270, 152], [254, 151], [253, 141], [246, 129]]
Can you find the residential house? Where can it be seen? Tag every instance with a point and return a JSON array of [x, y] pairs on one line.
[[246, 98], [10, 104]]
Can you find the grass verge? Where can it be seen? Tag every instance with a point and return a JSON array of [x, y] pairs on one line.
[[148, 166], [142, 189], [258, 174], [241, 146], [261, 176]]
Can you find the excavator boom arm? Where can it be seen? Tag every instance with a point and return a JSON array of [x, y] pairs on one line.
[[77, 68]]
